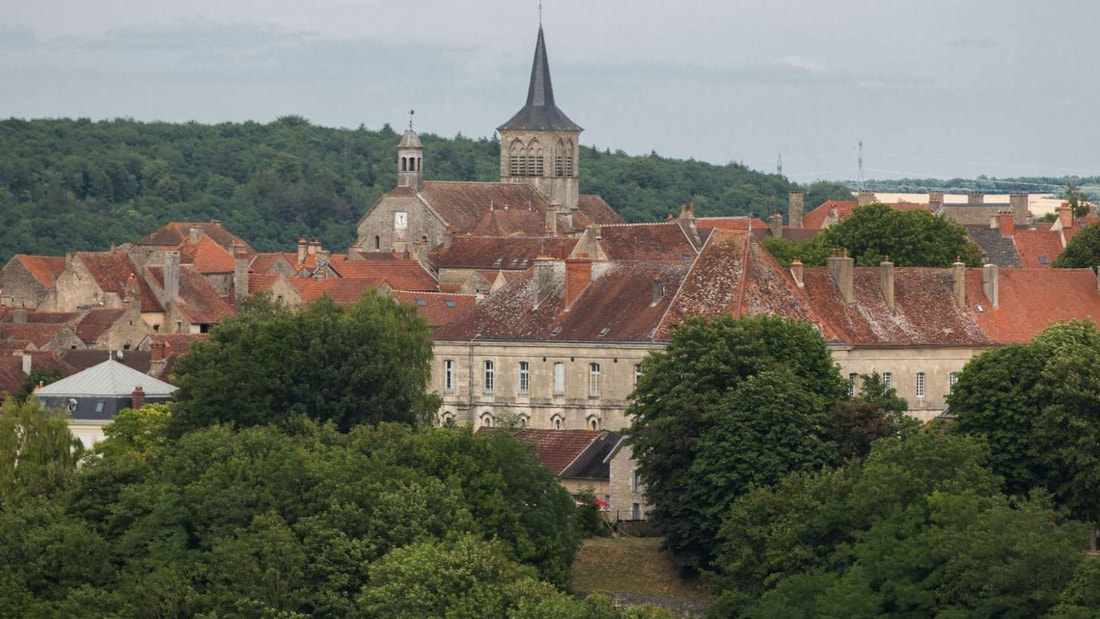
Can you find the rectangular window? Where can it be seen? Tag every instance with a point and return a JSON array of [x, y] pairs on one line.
[[852, 377], [448, 375], [594, 379], [635, 480], [636, 511], [920, 384], [559, 377], [524, 377], [488, 377], [887, 380], [952, 378], [637, 372]]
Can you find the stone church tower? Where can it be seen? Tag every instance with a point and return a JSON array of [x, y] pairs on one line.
[[410, 155], [540, 146]]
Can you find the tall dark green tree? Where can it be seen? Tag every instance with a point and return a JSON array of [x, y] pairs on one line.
[[1083, 250], [729, 403], [364, 364]]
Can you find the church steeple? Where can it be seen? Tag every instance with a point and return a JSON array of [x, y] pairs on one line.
[[540, 112], [410, 155], [539, 145]]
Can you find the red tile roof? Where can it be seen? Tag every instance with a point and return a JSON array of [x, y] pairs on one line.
[[264, 262], [596, 210], [206, 256], [659, 242], [48, 317], [399, 274], [510, 222], [1037, 248], [198, 301], [96, 322], [345, 291], [556, 449], [176, 233], [11, 368], [617, 305], [515, 253], [436, 307], [731, 223], [112, 270], [1032, 299], [44, 269], [38, 335]]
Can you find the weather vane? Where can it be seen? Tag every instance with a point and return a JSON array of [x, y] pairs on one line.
[[411, 112]]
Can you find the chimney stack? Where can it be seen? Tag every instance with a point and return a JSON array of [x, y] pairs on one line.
[[544, 278], [314, 246], [975, 197], [775, 225], [865, 197], [27, 362], [552, 220], [796, 273], [156, 351], [240, 273], [194, 234], [935, 200], [137, 398], [658, 290], [1007, 223], [843, 269], [886, 281], [831, 218], [1018, 200], [578, 274], [989, 284], [796, 202], [958, 283], [1065, 215], [171, 275]]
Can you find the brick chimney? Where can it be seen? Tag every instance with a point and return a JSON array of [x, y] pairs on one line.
[[156, 351], [578, 274], [796, 203], [687, 224], [1007, 223], [990, 284], [302, 245], [314, 246], [544, 278], [1018, 200], [552, 220], [240, 273], [796, 273], [935, 200], [775, 225], [843, 269], [958, 283], [886, 281], [171, 275], [658, 291], [137, 398], [865, 197], [975, 197], [1065, 215]]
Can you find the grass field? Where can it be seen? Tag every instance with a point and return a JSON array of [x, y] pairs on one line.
[[635, 565]]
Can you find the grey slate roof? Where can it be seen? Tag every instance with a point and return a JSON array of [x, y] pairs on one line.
[[410, 140], [999, 250], [109, 378], [540, 113]]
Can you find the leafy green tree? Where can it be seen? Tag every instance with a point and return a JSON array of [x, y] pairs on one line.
[[37, 378], [1044, 423], [876, 412], [1078, 201], [729, 403], [1083, 250], [365, 364], [38, 454]]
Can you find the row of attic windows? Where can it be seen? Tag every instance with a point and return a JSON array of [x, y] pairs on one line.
[[523, 377]]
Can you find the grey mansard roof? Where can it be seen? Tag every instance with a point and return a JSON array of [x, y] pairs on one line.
[[540, 113], [109, 378]]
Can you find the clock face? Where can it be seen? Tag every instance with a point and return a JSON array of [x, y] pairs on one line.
[[401, 220]]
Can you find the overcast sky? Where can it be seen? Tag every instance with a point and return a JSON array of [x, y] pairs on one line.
[[932, 87]]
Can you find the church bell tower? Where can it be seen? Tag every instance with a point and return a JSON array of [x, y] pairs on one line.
[[540, 145]]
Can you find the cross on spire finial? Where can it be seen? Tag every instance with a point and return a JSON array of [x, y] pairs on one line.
[[411, 112]]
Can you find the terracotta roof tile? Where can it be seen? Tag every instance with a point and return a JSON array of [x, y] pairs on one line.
[[655, 242], [206, 256], [479, 252], [436, 307], [44, 269], [176, 233], [510, 222], [597, 210], [617, 305], [112, 271], [198, 301], [815, 219], [731, 223], [463, 204], [11, 368], [264, 262], [344, 291], [399, 274], [49, 317], [38, 335], [96, 322], [556, 449], [1036, 248], [1029, 300]]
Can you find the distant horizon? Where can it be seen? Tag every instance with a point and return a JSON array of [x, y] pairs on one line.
[[933, 90]]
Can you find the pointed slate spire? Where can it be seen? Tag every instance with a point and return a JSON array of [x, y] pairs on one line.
[[540, 113]]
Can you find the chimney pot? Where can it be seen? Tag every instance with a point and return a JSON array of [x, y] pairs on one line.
[[137, 398], [843, 271], [958, 283], [578, 274], [795, 204]]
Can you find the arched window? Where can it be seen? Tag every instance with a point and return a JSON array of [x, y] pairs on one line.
[[593, 422], [418, 164], [404, 164], [534, 159], [557, 422], [517, 160], [559, 159], [486, 420]]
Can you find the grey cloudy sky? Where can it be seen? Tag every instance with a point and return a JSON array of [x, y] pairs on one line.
[[932, 87]]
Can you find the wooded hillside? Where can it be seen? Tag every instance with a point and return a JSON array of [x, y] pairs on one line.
[[68, 185]]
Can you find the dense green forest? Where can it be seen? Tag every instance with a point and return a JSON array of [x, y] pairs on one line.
[[70, 185]]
